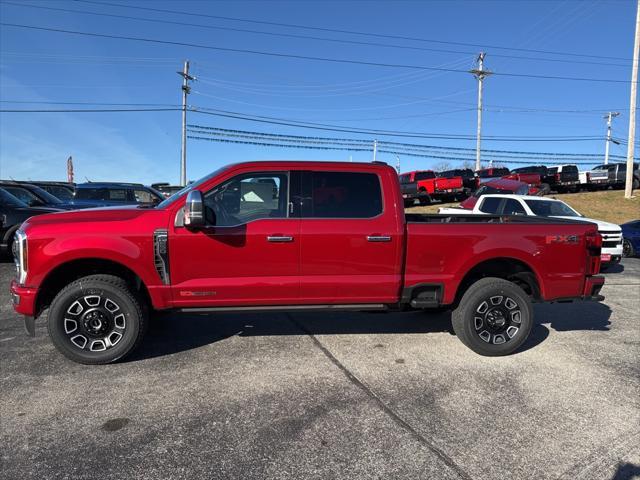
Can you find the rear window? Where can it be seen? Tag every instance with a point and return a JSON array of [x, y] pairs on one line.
[[425, 175], [570, 169], [91, 194], [405, 178], [344, 195]]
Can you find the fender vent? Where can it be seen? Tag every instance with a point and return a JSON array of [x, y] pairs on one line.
[[161, 255]]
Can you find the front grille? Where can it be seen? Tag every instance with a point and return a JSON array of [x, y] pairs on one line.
[[610, 244]]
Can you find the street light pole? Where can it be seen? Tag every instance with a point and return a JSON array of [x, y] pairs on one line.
[[186, 89], [610, 116], [479, 73], [628, 186]]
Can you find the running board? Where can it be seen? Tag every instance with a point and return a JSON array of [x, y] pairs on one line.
[[287, 308]]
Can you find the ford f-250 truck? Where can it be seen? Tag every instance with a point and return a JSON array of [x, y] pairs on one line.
[[293, 236]]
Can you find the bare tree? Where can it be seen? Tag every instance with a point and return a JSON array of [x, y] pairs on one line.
[[468, 164], [442, 166]]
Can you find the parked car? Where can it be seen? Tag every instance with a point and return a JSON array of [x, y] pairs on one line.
[[12, 213], [226, 244], [425, 187], [599, 177], [34, 196], [498, 185], [541, 170], [546, 207], [534, 180], [618, 175], [467, 175], [62, 190], [486, 174], [166, 189], [105, 194], [566, 178], [631, 238]]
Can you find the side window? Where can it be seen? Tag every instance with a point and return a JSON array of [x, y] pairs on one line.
[[490, 205], [117, 194], [513, 207], [142, 196], [21, 194], [344, 195], [248, 197]]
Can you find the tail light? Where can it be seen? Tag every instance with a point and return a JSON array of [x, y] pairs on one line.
[[588, 177], [593, 242], [557, 176]]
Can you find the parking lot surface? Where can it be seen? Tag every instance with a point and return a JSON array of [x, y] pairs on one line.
[[331, 395]]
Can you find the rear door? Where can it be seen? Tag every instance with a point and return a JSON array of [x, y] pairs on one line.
[[351, 238]]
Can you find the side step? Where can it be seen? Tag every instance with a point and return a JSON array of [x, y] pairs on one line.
[[288, 308]]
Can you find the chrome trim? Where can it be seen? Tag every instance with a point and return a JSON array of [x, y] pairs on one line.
[[279, 239], [19, 256], [378, 238], [161, 255]]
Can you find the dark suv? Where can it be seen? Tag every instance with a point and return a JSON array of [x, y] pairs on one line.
[[61, 190], [33, 195], [12, 213], [113, 194]]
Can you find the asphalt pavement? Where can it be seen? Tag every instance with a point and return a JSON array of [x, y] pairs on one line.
[[331, 395]]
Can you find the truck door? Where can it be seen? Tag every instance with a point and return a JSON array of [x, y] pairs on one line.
[[351, 239], [250, 252]]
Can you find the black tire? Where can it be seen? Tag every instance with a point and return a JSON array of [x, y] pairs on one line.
[[627, 249], [425, 200], [489, 327], [635, 184], [109, 326], [408, 203]]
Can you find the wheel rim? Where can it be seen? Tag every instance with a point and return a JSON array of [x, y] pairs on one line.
[[497, 319], [94, 323], [626, 248]]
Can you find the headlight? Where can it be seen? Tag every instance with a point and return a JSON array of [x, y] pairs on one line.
[[20, 256]]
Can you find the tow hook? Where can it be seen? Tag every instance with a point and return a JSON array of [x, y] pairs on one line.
[[30, 325]]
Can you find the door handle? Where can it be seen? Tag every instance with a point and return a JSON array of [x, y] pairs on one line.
[[378, 238], [279, 238]]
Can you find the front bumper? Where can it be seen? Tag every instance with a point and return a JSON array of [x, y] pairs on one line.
[[592, 286], [23, 299]]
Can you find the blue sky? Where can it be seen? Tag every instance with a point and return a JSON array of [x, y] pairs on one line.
[[38, 66]]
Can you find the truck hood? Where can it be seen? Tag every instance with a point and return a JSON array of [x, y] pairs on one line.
[[602, 226], [105, 214]]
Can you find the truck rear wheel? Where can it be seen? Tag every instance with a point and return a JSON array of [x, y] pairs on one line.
[[96, 320], [494, 317]]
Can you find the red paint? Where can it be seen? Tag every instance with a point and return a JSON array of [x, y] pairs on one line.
[[435, 186], [327, 260]]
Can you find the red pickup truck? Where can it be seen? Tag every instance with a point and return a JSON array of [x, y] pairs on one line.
[[293, 236], [425, 186]]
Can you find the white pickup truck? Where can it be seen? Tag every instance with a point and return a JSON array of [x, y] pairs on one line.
[[504, 204]]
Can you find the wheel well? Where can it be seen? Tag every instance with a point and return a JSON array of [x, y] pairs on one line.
[[66, 273], [510, 269]]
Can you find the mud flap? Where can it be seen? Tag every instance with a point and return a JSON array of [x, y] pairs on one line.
[[30, 325]]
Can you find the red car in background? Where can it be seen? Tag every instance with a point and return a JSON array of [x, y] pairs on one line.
[[499, 185], [425, 186]]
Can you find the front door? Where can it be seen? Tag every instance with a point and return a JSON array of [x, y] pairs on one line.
[[249, 252]]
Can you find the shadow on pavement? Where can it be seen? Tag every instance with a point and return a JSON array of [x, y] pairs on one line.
[[617, 268], [626, 471], [172, 332]]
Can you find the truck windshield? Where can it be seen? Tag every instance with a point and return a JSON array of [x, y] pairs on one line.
[[424, 175], [551, 208], [191, 186]]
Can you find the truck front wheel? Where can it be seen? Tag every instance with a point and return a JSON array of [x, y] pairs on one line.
[[494, 317], [96, 320]]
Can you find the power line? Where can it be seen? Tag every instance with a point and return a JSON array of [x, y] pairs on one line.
[[301, 57], [207, 130], [92, 110], [352, 32], [305, 37], [389, 133], [33, 102]]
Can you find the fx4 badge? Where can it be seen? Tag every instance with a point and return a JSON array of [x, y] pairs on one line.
[[562, 239]]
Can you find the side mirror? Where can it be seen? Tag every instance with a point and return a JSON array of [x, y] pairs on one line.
[[194, 209]]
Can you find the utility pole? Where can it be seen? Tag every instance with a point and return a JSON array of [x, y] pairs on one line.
[[479, 73], [628, 186], [398, 164], [375, 149], [610, 116], [186, 89]]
